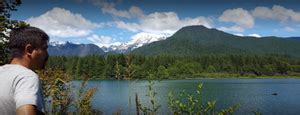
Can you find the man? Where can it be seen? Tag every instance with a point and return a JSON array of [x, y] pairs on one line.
[[20, 88]]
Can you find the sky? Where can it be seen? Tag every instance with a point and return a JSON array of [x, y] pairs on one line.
[[112, 22]]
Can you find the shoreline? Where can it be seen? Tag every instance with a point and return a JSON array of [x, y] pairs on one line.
[[214, 76], [199, 78]]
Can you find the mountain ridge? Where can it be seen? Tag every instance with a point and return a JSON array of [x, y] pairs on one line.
[[188, 41], [199, 40], [70, 49]]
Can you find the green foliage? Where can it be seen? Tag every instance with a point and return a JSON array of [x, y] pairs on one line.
[[6, 24], [256, 113], [56, 90], [162, 72], [211, 69], [84, 97], [58, 93], [129, 71], [153, 108], [171, 67], [192, 104]]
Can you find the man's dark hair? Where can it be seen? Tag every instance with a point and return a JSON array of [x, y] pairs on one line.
[[22, 36]]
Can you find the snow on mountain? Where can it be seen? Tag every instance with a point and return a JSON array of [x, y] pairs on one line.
[[57, 43], [136, 41], [141, 39]]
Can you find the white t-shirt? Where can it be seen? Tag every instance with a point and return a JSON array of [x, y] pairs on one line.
[[19, 86]]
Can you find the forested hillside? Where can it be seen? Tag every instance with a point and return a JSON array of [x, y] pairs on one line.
[[199, 40]]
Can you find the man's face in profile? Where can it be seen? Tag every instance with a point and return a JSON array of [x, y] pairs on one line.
[[40, 56]]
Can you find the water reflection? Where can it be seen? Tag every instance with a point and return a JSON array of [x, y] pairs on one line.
[[251, 94]]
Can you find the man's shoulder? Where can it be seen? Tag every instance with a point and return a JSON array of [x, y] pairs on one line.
[[18, 70]]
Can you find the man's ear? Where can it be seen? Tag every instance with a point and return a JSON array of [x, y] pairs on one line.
[[28, 49]]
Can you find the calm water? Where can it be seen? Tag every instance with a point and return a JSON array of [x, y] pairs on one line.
[[251, 94]]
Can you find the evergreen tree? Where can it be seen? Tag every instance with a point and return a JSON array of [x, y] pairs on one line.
[[6, 24]]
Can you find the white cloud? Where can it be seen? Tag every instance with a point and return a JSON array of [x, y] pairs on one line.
[[109, 8], [134, 27], [289, 29], [277, 13], [162, 22], [56, 39], [115, 12], [102, 41], [255, 35], [263, 12], [157, 22], [240, 17], [59, 22], [136, 12], [232, 28], [169, 22]]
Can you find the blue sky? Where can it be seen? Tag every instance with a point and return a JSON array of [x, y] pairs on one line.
[[106, 22]]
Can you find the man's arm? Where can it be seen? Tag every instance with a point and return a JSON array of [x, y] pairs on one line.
[[27, 96], [28, 110]]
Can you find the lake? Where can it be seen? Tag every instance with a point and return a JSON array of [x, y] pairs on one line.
[[251, 94]]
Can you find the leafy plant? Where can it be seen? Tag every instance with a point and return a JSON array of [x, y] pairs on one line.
[[59, 96], [84, 97], [192, 104], [153, 108], [56, 90]]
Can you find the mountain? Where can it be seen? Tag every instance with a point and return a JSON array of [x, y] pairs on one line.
[[136, 41], [70, 49], [294, 38], [199, 40]]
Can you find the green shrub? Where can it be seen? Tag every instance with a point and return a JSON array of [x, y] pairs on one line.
[[192, 104]]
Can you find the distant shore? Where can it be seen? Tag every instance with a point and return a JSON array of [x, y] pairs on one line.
[[219, 76]]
